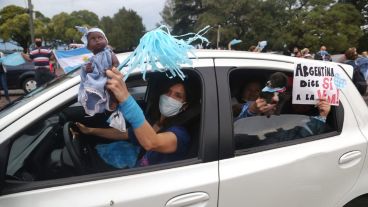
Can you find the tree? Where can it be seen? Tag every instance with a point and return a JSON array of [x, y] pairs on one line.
[[362, 6], [248, 20], [302, 23], [124, 30], [63, 25], [182, 16], [325, 23], [14, 25]]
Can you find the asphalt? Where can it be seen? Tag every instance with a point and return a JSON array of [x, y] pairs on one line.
[[14, 94]]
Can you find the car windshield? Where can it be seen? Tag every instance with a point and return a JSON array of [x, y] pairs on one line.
[[19, 102]]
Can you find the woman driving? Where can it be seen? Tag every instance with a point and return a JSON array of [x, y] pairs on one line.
[[163, 140]]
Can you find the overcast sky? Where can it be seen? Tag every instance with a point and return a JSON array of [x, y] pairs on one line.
[[149, 10]]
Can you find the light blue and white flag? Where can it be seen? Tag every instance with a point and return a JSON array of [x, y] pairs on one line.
[[69, 60], [13, 59], [235, 41], [261, 45]]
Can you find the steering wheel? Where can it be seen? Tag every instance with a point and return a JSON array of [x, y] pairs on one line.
[[73, 147]]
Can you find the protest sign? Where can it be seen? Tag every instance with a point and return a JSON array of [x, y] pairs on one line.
[[317, 80]]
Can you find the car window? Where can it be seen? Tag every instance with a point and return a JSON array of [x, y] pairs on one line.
[[41, 151], [287, 124]]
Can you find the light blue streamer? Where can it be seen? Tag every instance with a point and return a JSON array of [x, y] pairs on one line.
[[160, 47]]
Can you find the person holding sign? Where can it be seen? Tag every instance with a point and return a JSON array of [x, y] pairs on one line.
[[268, 105]]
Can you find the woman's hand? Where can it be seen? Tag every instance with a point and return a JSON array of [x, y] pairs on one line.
[[116, 85], [261, 106], [83, 129], [324, 107]]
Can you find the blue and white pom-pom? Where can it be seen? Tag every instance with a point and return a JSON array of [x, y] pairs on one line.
[[159, 49]]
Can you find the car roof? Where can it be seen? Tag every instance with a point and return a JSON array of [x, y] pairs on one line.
[[209, 53], [234, 54]]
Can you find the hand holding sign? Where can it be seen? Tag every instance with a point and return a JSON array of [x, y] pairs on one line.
[[317, 80]]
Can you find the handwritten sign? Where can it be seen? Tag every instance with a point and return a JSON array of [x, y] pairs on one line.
[[317, 80]]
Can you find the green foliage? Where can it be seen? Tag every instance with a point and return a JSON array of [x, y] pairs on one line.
[[63, 25], [302, 23], [124, 30], [15, 25], [182, 16]]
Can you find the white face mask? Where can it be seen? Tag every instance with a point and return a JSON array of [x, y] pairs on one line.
[[169, 106]]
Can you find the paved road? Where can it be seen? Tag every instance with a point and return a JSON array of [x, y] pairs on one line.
[[14, 94]]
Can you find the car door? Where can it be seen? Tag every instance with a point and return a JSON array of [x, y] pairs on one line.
[[315, 171], [189, 182]]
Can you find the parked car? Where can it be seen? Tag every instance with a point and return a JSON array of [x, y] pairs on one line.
[[42, 165], [21, 77]]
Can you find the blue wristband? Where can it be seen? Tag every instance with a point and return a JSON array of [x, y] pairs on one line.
[[132, 112]]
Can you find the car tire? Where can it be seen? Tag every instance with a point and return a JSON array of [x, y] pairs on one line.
[[29, 84]]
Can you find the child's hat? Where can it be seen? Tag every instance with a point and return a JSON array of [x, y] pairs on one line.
[[86, 31]]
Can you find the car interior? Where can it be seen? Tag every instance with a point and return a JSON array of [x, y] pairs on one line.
[[47, 150], [250, 132]]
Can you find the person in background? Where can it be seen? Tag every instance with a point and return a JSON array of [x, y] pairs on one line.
[[322, 54], [3, 81], [305, 53], [365, 54], [250, 92], [295, 52], [358, 75], [41, 56], [253, 48]]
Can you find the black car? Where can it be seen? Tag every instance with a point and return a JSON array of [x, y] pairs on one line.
[[21, 77]]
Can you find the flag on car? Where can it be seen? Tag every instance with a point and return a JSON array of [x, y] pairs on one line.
[[13, 59], [69, 60]]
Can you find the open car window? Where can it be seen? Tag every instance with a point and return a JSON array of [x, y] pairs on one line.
[[287, 124]]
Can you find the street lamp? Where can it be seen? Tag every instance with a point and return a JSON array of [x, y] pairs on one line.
[[31, 29], [218, 35]]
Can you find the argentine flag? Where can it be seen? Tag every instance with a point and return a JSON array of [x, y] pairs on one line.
[[72, 59], [13, 59]]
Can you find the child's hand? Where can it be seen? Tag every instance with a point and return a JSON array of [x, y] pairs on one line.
[[89, 67]]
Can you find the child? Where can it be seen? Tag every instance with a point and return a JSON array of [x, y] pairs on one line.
[[93, 95]]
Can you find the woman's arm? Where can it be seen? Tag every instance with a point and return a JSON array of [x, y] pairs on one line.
[[26, 57], [150, 140], [109, 133], [165, 142]]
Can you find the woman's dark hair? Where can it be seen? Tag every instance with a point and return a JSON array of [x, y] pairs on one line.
[[164, 87], [351, 54]]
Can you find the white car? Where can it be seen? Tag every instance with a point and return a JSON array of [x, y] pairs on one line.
[[226, 165]]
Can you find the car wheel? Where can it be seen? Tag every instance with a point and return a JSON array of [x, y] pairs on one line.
[[29, 84]]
